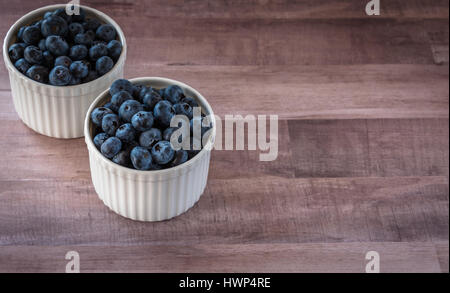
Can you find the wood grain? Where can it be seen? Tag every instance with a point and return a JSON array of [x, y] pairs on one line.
[[376, 147], [273, 210], [305, 258], [309, 92], [363, 156], [231, 9], [280, 42]]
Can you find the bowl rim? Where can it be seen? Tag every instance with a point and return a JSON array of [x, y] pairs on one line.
[[34, 13], [148, 81]]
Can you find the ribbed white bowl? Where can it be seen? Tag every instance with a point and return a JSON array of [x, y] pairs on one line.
[[149, 195], [57, 111]]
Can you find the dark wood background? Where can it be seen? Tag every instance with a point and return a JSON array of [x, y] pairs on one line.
[[363, 146]]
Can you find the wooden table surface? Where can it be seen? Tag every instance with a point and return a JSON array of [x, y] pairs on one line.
[[363, 145]]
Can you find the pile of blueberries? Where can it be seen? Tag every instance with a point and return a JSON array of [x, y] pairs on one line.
[[133, 128], [63, 49]]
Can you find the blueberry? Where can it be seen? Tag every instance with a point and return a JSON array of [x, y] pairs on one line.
[[151, 99], [122, 158], [38, 73], [126, 132], [99, 139], [63, 61], [183, 109], [16, 51], [173, 94], [48, 59], [80, 16], [20, 33], [75, 80], [168, 133], [91, 24], [111, 147], [31, 35], [141, 158], [121, 85], [98, 114], [56, 45], [161, 91], [33, 55], [112, 107], [143, 91], [162, 152], [110, 123], [163, 113], [22, 65], [98, 42], [128, 109], [98, 51], [106, 32], [103, 65], [75, 28], [78, 52], [86, 38], [61, 12], [114, 49], [48, 14], [41, 45], [118, 98], [54, 25], [190, 101], [142, 121], [79, 69], [148, 138], [136, 90], [60, 75], [92, 75], [197, 121], [180, 157]]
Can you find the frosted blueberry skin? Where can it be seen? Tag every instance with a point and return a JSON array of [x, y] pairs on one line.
[[110, 123], [141, 158], [98, 114], [142, 120], [38, 73], [60, 75], [163, 113], [99, 139], [33, 55], [111, 147], [22, 65], [150, 137], [63, 61], [16, 51], [121, 85], [120, 97], [162, 152], [151, 98], [103, 65], [128, 109], [54, 25], [126, 133], [173, 94]]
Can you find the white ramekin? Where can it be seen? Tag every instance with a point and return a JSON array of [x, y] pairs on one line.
[[57, 111], [150, 195]]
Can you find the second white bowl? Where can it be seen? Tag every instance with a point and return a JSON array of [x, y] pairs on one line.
[[150, 195]]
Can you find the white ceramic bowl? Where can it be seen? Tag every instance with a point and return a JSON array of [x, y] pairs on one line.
[[57, 111], [149, 195]]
